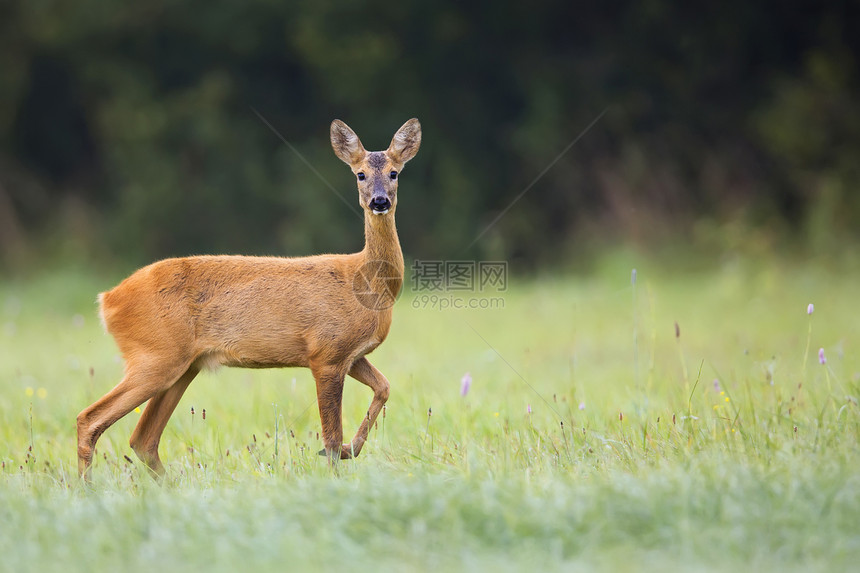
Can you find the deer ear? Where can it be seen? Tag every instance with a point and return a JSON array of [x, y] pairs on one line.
[[406, 141], [345, 143]]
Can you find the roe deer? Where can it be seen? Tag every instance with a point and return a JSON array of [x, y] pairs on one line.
[[326, 312]]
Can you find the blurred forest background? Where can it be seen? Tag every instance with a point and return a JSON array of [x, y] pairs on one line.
[[128, 132]]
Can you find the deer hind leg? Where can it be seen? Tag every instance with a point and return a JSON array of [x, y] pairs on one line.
[[144, 379], [363, 371], [147, 434], [329, 381]]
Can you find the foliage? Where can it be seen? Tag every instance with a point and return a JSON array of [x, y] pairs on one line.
[[129, 129]]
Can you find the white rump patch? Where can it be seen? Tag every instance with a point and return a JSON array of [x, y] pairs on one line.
[[101, 303]]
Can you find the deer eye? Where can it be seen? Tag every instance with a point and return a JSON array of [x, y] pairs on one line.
[[393, 174], [360, 176]]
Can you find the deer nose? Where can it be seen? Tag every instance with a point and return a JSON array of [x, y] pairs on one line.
[[380, 204]]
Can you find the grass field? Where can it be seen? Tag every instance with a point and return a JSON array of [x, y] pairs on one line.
[[681, 423]]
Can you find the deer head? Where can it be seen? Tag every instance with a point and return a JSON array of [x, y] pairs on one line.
[[377, 172]]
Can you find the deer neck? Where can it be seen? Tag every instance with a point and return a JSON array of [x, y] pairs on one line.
[[381, 244]]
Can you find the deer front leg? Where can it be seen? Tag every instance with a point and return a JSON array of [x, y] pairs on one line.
[[329, 381], [363, 371]]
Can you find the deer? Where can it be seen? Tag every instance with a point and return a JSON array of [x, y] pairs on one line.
[[178, 316]]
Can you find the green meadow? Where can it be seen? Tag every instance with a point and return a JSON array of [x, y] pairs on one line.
[[684, 421]]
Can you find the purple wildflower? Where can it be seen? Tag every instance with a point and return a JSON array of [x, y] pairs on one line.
[[810, 308], [582, 405], [465, 383], [821, 357], [529, 409], [717, 385]]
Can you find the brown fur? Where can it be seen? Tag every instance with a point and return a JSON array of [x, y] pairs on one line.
[[177, 316]]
